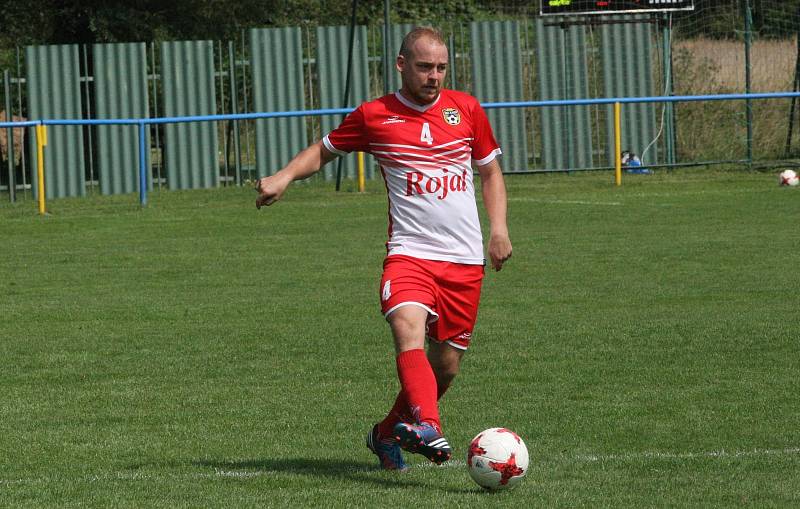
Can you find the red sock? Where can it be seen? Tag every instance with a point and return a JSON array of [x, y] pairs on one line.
[[398, 413], [418, 386], [401, 413]]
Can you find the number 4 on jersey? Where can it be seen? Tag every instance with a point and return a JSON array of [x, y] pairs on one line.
[[425, 135]]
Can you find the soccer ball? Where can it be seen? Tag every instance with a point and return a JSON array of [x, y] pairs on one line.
[[497, 459], [789, 178]]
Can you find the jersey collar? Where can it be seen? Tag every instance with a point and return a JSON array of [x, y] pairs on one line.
[[415, 106]]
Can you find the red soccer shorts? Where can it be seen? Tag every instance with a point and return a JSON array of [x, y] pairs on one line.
[[450, 292]]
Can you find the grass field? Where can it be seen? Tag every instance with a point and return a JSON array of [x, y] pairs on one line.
[[198, 353]]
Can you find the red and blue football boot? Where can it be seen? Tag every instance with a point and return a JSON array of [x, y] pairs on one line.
[[423, 439], [387, 451]]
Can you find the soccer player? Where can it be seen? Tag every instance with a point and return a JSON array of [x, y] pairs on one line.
[[425, 139]]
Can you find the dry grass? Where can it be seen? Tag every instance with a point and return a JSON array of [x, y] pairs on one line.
[[718, 130], [706, 66]]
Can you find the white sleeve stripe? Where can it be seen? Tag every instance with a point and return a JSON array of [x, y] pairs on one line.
[[329, 146], [492, 155]]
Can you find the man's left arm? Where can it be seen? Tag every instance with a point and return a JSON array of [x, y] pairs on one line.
[[493, 189]]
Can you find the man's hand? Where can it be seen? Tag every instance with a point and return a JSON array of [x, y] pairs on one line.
[[493, 189], [303, 165], [499, 250], [270, 189]]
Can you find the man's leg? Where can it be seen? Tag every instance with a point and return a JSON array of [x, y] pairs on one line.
[[445, 360], [423, 435], [417, 379], [408, 325]]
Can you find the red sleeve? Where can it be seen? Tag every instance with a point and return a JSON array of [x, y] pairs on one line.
[[484, 145], [350, 136]]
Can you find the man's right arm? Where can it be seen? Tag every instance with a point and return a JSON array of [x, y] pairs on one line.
[[303, 165]]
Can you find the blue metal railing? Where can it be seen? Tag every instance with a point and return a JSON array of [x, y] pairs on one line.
[[341, 111]]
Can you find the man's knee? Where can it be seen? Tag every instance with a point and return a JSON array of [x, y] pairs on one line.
[[408, 327]]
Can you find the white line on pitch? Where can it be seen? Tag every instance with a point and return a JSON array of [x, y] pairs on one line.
[[722, 453]]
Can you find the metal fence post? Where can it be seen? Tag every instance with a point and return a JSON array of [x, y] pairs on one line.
[[748, 36], [235, 110], [669, 121], [386, 31], [9, 137], [41, 141], [142, 165], [23, 157]]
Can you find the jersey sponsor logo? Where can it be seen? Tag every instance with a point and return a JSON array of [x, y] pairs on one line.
[[394, 119], [418, 183], [451, 115]]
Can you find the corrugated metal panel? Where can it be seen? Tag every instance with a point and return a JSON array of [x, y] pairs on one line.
[[396, 34], [120, 91], [276, 60], [333, 44], [562, 74], [627, 72], [496, 71], [53, 84], [187, 73]]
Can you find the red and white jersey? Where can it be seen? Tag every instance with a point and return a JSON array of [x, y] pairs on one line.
[[426, 155]]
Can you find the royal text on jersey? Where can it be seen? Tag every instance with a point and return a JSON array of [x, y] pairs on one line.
[[440, 186]]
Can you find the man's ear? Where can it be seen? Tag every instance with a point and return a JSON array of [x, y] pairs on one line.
[[400, 62]]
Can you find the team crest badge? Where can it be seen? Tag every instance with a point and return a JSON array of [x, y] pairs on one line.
[[451, 116]]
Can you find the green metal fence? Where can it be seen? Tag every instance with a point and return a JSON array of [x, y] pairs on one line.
[[276, 58], [53, 86], [497, 77], [332, 77], [563, 73], [628, 72], [191, 157], [120, 91]]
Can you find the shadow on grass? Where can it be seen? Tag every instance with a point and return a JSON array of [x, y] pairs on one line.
[[320, 468]]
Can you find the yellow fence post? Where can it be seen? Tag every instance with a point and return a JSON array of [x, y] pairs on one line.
[[361, 183], [41, 141], [617, 145]]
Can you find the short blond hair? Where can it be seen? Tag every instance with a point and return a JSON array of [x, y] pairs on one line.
[[418, 33]]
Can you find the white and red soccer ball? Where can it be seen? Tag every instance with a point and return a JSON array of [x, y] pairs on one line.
[[497, 459], [788, 178]]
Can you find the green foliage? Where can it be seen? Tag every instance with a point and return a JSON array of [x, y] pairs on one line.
[[73, 21], [776, 18], [725, 19], [147, 20]]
